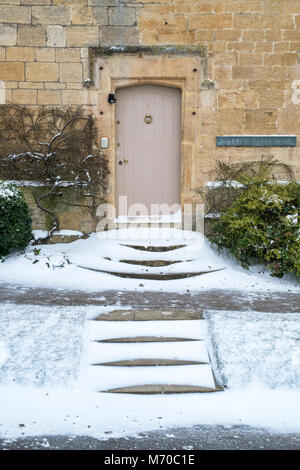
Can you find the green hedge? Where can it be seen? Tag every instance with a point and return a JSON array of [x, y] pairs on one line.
[[263, 225], [15, 221]]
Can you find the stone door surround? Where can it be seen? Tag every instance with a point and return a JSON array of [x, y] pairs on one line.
[[183, 68]]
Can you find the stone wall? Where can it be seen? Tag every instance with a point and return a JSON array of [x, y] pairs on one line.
[[253, 60], [69, 216]]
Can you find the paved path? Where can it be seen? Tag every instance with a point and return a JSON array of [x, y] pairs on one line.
[[214, 299], [194, 438]]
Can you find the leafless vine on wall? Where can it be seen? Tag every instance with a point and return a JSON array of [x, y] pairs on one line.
[[56, 147], [222, 192]]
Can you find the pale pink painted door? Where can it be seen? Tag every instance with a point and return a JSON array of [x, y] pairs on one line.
[[148, 143]]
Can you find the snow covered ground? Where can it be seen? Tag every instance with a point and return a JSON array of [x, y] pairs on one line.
[[40, 345], [259, 360], [257, 346], [28, 411], [57, 266], [44, 387]]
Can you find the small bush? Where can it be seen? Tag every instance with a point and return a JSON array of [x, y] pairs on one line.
[[15, 221], [262, 225]]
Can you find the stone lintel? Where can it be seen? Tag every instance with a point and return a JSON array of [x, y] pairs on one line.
[[167, 50]]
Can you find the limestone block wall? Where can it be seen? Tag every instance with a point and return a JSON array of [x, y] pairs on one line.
[[69, 216], [252, 51]]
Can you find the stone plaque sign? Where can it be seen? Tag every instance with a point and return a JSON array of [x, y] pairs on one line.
[[256, 141]]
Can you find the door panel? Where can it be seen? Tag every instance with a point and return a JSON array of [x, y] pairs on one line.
[[152, 174]]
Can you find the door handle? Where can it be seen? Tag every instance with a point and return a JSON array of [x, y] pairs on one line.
[[125, 160]]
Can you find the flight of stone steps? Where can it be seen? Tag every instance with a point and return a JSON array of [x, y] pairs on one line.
[[149, 352], [159, 259]]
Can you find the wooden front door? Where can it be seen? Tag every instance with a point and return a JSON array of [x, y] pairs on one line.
[[148, 142]]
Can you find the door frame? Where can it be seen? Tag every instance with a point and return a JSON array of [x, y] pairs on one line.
[[183, 72], [180, 144]]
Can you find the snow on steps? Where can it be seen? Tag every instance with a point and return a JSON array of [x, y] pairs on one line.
[[162, 276], [158, 263], [136, 270], [146, 353], [150, 362], [163, 389], [167, 225], [145, 339], [120, 362], [102, 330], [161, 269], [166, 256], [106, 378], [108, 352], [155, 248]]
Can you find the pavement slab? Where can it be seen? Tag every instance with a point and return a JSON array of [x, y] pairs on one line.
[[230, 437], [280, 302]]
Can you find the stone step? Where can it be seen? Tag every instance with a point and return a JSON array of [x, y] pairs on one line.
[[151, 263], [181, 330], [162, 389], [145, 339], [111, 377], [183, 351], [152, 276], [150, 225], [150, 362], [150, 314], [155, 248], [142, 358]]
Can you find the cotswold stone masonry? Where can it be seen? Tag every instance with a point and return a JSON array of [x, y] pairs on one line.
[[252, 61]]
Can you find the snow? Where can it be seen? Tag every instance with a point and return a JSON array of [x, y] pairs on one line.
[[40, 345], [46, 382], [37, 234], [57, 266], [40, 234], [79, 412], [256, 346], [163, 236], [213, 215], [237, 184], [292, 219], [108, 352], [164, 218], [109, 377], [7, 191], [4, 352], [68, 233], [36, 184], [26, 183], [228, 184], [101, 330]]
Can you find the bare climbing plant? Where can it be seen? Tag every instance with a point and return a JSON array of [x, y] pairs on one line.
[[56, 147], [226, 185]]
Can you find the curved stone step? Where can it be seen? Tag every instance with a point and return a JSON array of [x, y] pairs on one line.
[[151, 330], [161, 388], [112, 377], [145, 339], [151, 263], [183, 351], [155, 248], [152, 276], [150, 362], [148, 314]]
